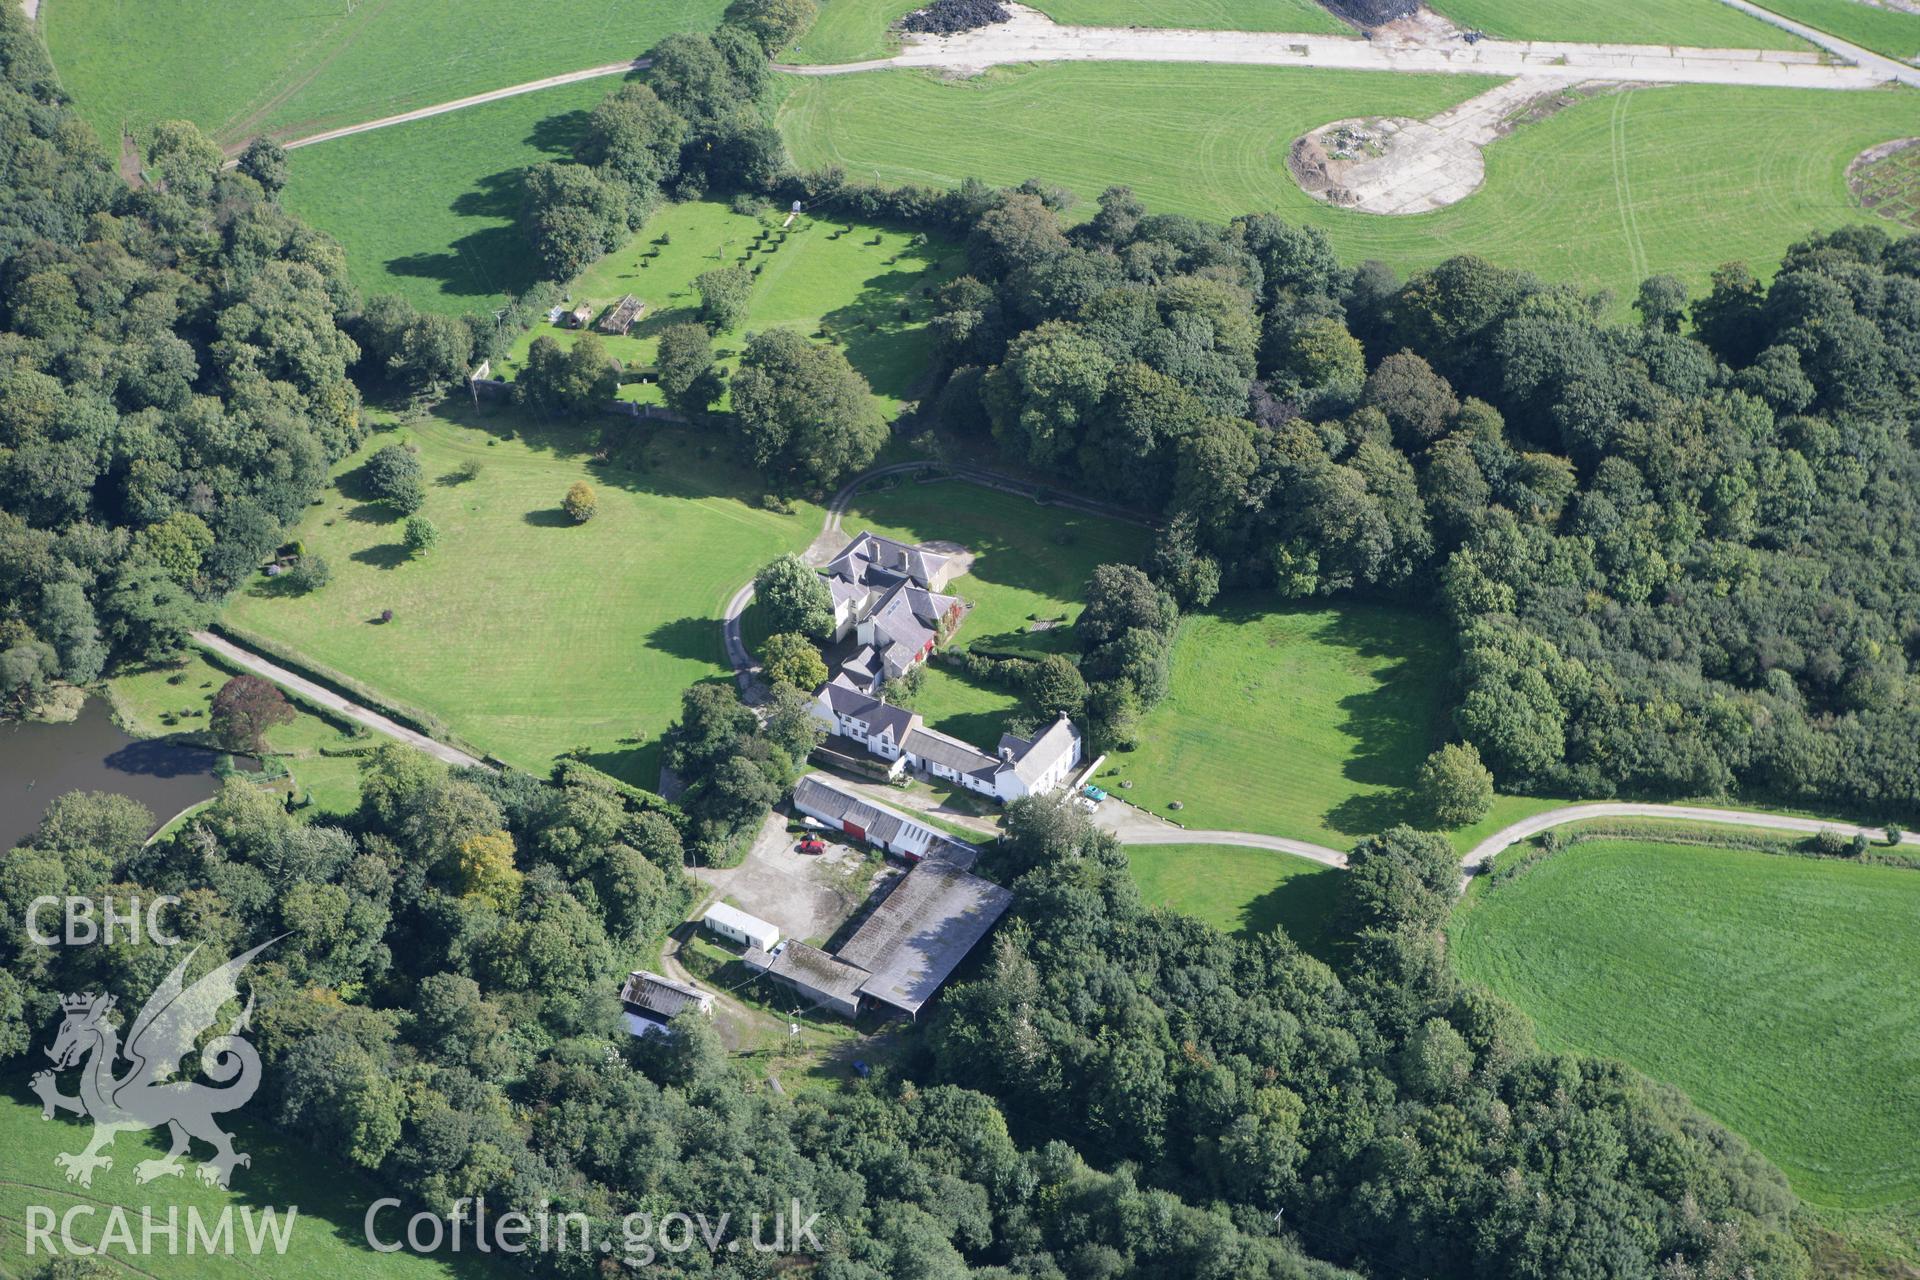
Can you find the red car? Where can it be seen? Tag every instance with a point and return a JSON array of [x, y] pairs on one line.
[[813, 844]]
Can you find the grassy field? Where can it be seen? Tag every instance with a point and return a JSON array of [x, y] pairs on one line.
[[1752, 992], [1701, 23], [428, 209], [327, 1237], [851, 280], [529, 635], [1240, 890], [174, 699], [1032, 563], [241, 67], [1674, 179], [1299, 722], [1884, 30]]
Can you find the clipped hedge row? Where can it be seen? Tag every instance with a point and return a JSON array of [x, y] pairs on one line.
[[344, 685]]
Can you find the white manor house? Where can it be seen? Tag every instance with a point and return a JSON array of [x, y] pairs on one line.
[[888, 615]]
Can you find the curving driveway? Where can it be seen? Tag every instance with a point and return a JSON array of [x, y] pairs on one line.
[[1136, 826]]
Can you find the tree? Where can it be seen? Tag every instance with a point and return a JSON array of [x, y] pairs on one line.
[[265, 161], [1056, 687], [394, 474], [1662, 303], [573, 380], [805, 415], [1419, 403], [308, 572], [775, 23], [713, 723], [580, 502], [1045, 395], [242, 712], [634, 136], [419, 534], [1119, 597], [793, 597], [685, 370], [1454, 787], [725, 293], [182, 158], [792, 658], [572, 214], [486, 872]]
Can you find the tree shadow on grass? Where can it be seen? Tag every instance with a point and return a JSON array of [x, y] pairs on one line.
[[1373, 811], [638, 765], [696, 639], [372, 513], [881, 341], [549, 518], [1305, 906], [388, 555]]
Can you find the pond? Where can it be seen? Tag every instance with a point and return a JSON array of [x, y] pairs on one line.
[[92, 753]]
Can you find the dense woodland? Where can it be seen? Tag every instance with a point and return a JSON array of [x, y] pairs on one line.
[[1678, 562], [173, 384], [1680, 554]]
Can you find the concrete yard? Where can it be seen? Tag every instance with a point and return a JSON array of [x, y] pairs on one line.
[[804, 895]]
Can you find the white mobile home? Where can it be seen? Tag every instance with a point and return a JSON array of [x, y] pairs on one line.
[[736, 925]]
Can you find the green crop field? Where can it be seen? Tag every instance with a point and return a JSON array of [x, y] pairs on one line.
[[1701, 23], [429, 210], [1755, 989], [174, 700], [855, 30], [241, 67], [327, 1237], [1032, 563], [527, 634], [1241, 890], [1883, 29], [847, 279], [1673, 179], [1304, 722]]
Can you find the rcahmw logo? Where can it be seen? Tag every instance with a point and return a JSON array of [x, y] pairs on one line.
[[132, 1086]]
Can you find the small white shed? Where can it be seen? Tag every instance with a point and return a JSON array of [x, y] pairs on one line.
[[737, 925]]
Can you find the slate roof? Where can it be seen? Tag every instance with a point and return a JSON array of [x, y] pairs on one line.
[[811, 967], [660, 995], [1031, 758], [961, 757], [920, 933], [819, 796], [879, 561], [843, 698]]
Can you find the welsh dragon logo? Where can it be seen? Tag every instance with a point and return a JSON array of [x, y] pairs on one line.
[[145, 1096]]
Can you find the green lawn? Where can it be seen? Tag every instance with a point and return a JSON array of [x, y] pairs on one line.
[[1240, 890], [852, 279], [327, 1238], [1779, 992], [526, 634], [1701, 23], [1674, 179], [174, 699], [428, 210], [1032, 563], [241, 67], [1884, 30], [1305, 722]]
